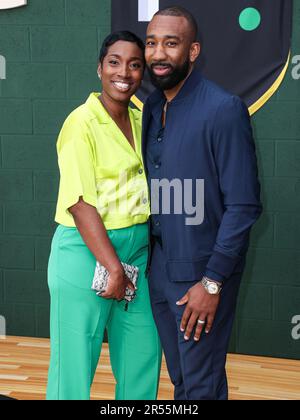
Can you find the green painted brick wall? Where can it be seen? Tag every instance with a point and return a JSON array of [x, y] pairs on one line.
[[51, 49]]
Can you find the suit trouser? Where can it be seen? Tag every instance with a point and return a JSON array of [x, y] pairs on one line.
[[79, 318], [197, 369]]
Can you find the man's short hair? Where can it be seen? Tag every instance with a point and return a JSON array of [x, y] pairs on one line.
[[181, 12]]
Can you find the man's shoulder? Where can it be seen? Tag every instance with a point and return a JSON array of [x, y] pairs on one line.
[[217, 95]]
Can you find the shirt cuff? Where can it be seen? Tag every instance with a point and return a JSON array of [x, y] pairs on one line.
[[222, 264], [214, 276]]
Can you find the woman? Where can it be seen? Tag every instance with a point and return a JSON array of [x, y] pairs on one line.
[[102, 211]]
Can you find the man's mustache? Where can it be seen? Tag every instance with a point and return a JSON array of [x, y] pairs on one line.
[[160, 64]]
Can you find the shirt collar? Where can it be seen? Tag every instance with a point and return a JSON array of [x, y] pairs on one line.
[[194, 79], [191, 83], [100, 112], [157, 110]]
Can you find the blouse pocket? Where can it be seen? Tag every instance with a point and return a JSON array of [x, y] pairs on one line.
[[109, 180]]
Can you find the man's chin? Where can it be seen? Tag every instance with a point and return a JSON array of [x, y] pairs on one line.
[[171, 80], [163, 82]]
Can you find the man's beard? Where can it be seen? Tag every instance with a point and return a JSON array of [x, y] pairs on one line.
[[168, 82]]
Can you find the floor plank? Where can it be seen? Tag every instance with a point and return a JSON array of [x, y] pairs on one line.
[[24, 368]]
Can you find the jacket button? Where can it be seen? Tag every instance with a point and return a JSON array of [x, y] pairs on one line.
[[145, 201], [157, 166], [141, 171]]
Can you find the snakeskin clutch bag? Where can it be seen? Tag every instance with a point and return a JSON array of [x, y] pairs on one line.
[[101, 277]]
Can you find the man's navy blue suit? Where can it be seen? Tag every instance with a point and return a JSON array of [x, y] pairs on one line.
[[207, 136]]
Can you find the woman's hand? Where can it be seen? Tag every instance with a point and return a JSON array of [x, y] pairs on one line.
[[117, 284], [93, 232]]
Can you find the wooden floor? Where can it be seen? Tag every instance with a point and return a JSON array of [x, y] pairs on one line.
[[24, 364]]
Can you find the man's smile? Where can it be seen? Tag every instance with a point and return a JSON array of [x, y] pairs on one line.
[[161, 69]]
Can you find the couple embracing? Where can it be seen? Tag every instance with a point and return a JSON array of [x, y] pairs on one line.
[[189, 269]]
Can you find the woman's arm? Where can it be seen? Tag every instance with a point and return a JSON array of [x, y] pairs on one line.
[[91, 227]]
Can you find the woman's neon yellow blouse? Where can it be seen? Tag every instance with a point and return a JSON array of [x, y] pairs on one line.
[[97, 162]]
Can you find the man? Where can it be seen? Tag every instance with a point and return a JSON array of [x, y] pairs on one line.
[[195, 131]]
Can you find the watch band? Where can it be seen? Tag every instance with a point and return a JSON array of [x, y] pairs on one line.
[[212, 281]]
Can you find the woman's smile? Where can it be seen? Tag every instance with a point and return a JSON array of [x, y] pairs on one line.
[[122, 86]]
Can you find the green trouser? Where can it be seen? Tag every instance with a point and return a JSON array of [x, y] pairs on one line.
[[79, 318]]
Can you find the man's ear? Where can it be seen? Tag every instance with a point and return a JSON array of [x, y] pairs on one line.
[[195, 51]]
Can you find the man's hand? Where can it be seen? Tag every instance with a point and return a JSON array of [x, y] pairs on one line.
[[117, 284], [200, 305]]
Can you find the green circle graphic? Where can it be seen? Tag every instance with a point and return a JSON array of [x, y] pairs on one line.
[[250, 19]]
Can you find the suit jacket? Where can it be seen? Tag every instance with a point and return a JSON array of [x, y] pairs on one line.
[[208, 136]]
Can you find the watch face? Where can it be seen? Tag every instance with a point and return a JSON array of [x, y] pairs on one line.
[[213, 289]]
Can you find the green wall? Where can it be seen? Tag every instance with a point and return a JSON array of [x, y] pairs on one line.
[[51, 50]]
